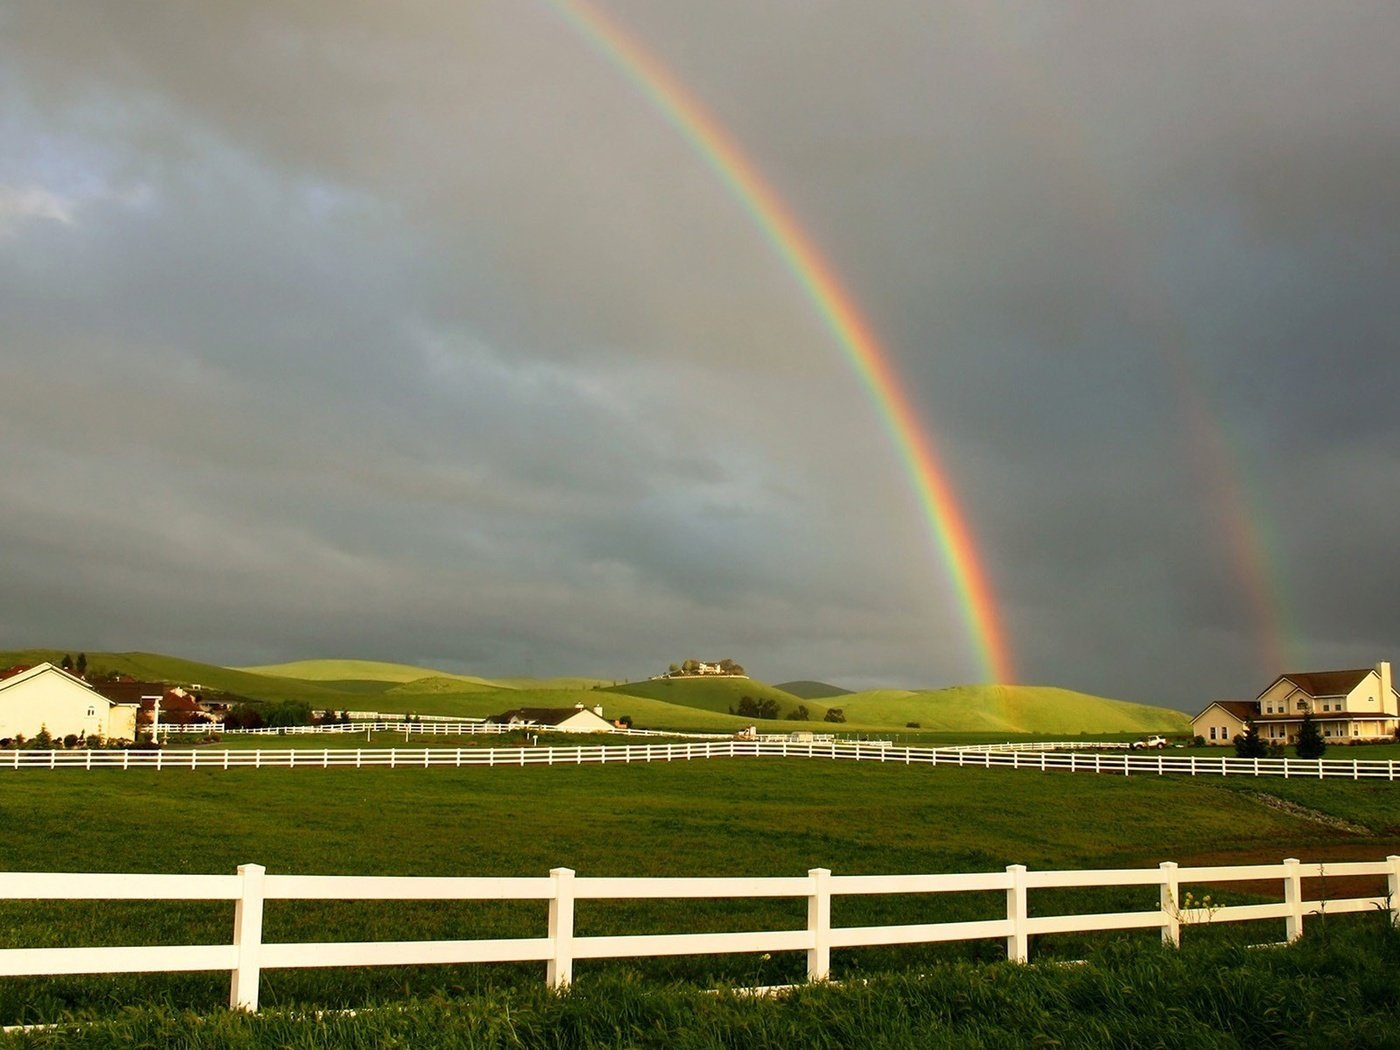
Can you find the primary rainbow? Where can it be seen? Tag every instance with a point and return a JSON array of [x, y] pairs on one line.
[[947, 524]]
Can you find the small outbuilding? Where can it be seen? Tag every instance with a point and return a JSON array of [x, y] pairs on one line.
[[48, 698]]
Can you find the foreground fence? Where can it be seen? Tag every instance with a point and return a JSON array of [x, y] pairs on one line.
[[248, 954], [1121, 764]]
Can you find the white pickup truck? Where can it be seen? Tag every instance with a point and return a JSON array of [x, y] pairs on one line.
[[1151, 741]]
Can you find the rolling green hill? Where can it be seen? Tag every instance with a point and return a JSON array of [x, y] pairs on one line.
[[1011, 709], [439, 684], [697, 703], [813, 690], [552, 683], [716, 694], [359, 670], [961, 709]]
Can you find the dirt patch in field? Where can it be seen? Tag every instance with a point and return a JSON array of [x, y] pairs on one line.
[[1293, 809]]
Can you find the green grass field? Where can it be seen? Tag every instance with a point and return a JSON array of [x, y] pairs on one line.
[[1327, 991], [725, 817]]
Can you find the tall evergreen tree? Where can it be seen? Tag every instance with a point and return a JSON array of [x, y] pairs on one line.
[[1250, 744], [66, 663], [1310, 742], [80, 665]]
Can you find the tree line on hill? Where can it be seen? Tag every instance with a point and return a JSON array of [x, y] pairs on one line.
[[749, 707]]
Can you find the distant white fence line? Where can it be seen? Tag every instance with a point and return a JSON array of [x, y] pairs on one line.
[[248, 955], [439, 727], [1125, 764], [1045, 745]]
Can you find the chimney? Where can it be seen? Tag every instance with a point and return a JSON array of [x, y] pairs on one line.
[[1387, 697], [598, 708]]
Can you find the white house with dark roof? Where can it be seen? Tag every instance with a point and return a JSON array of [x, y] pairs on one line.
[[1355, 705], [46, 697], [576, 719]]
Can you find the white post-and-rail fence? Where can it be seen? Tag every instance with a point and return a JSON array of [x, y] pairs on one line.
[[440, 727], [1122, 764], [248, 954]]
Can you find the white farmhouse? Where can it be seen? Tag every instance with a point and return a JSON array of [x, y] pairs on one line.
[[576, 719], [1351, 705], [45, 697]]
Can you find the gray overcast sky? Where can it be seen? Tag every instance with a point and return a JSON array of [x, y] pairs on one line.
[[414, 332]]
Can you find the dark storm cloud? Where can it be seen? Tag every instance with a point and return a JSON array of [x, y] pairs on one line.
[[414, 332]]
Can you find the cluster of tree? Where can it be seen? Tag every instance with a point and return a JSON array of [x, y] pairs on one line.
[[768, 708], [751, 708], [269, 716], [78, 666], [693, 667], [1250, 744]]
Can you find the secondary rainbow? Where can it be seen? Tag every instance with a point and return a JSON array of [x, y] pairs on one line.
[[947, 523]]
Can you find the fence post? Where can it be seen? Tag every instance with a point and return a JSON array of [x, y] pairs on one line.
[[247, 938], [1016, 940], [819, 924], [1293, 897], [1171, 904], [1393, 888], [560, 971]]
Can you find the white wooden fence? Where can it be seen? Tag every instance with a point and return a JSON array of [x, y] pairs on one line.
[[1123, 764], [559, 946], [441, 727], [1045, 745]]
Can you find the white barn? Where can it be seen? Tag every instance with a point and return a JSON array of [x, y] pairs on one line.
[[45, 697]]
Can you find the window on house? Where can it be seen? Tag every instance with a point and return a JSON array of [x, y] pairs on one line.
[[92, 711], [1212, 732]]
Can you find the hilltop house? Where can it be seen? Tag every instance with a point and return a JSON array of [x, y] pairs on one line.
[[1348, 706], [576, 719], [46, 697]]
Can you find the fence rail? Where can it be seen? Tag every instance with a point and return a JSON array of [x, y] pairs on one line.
[[559, 947], [1121, 764], [439, 727]]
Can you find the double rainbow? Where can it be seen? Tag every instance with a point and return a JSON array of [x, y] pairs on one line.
[[947, 524]]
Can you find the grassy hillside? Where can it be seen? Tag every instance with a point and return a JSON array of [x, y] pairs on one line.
[[698, 703], [645, 712], [358, 670], [966, 709], [1011, 709], [439, 684], [552, 683], [714, 694], [813, 690]]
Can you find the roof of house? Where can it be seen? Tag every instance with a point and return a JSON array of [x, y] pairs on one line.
[[1324, 683], [545, 716], [37, 670], [47, 668], [1241, 709]]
